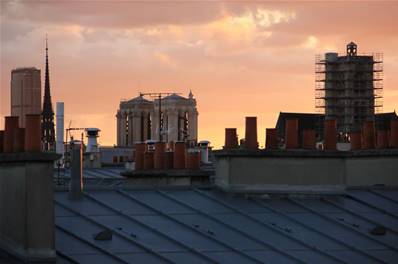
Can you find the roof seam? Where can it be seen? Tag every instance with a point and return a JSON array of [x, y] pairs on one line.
[[218, 221], [119, 233], [350, 247], [107, 252], [357, 215], [371, 206], [272, 228], [191, 228], [343, 225], [151, 228]]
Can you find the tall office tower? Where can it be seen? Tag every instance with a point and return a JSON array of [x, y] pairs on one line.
[[349, 87], [25, 93], [47, 123]]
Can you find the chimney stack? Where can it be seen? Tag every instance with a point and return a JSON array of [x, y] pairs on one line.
[[368, 135], [160, 148], [382, 139], [355, 140], [139, 156], [309, 139], [193, 159], [11, 126], [33, 133], [271, 138], [179, 155], [26, 196], [231, 139], [291, 134], [251, 133], [19, 140], [1, 141], [394, 133], [330, 135], [148, 160], [76, 178], [168, 160]]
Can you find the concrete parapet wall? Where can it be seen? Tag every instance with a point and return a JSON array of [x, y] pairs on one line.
[[372, 170], [304, 171], [26, 206]]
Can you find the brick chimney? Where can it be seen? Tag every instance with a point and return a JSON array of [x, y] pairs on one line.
[[26, 195]]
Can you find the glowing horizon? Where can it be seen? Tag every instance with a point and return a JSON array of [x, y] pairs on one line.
[[239, 59]]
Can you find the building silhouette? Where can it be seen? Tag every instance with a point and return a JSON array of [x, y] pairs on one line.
[[25, 93], [47, 125], [138, 120]]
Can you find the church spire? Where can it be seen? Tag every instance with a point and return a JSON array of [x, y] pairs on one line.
[[47, 124]]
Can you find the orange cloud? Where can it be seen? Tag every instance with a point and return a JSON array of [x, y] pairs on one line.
[[238, 58]]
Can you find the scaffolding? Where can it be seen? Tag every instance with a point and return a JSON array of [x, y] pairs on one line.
[[349, 88]]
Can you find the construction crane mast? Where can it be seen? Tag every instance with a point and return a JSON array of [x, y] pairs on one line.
[[158, 96]]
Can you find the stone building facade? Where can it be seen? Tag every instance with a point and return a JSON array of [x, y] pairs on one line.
[[138, 120]]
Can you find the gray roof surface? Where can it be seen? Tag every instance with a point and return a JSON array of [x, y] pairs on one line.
[[210, 226], [100, 173]]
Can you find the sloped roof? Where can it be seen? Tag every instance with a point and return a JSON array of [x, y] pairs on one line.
[[138, 100], [209, 226], [174, 96], [383, 120]]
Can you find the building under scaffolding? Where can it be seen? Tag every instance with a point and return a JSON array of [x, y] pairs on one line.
[[349, 87]]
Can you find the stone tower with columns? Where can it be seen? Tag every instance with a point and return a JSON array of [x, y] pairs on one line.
[[138, 120]]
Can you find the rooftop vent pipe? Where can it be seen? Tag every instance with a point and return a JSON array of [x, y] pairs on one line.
[[204, 151]]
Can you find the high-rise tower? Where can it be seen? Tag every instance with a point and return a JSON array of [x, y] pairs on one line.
[[25, 93], [47, 123], [349, 87]]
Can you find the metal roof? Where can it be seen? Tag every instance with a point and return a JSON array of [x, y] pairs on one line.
[[95, 173], [210, 226]]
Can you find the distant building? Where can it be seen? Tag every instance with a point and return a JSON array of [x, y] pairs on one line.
[[138, 120], [112, 155], [25, 93], [349, 87]]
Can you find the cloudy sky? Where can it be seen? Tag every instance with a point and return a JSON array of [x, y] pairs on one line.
[[239, 58]]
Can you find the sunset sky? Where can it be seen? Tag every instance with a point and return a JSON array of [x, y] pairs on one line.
[[238, 58]]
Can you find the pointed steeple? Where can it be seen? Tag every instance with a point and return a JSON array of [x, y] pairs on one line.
[[47, 124]]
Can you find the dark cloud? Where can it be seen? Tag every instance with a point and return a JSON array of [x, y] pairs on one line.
[[121, 14]]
